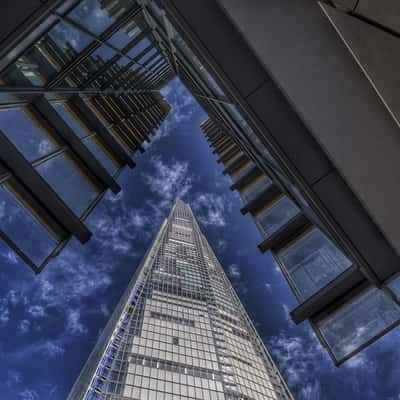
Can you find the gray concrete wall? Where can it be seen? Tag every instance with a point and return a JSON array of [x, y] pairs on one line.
[[299, 47]]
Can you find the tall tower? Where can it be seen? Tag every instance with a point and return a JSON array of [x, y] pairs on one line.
[[180, 331]]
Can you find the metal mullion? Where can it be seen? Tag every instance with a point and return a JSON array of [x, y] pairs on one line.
[[154, 73], [161, 78], [99, 40], [49, 156], [109, 142]]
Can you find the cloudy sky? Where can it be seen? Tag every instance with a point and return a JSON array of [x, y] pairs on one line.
[[49, 323]]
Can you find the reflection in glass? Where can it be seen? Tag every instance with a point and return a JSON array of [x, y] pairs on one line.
[[98, 151], [357, 322], [272, 219], [143, 44], [23, 229], [251, 192], [148, 55], [68, 182], [25, 134], [70, 119], [68, 40], [92, 15], [312, 262], [128, 33]]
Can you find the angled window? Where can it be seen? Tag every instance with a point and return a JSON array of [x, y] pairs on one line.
[[277, 215], [359, 322], [312, 261]]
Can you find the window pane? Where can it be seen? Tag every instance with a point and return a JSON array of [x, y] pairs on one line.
[[150, 53], [70, 119], [23, 229], [250, 193], [68, 41], [144, 43], [100, 154], [25, 134], [359, 321], [92, 15], [277, 216], [312, 262], [128, 33], [68, 182]]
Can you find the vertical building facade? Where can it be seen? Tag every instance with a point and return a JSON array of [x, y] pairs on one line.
[[180, 331], [307, 257], [78, 100]]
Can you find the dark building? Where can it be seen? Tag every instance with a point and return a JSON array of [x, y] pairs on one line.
[[306, 90], [180, 331], [66, 131]]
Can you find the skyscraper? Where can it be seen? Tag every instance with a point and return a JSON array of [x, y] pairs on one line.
[[180, 331]]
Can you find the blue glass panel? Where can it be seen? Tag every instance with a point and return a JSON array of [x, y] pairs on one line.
[[69, 40], [91, 15], [100, 154], [126, 34], [68, 182], [144, 43], [253, 191], [277, 216], [23, 228], [78, 129], [358, 322], [312, 262], [25, 134], [150, 53]]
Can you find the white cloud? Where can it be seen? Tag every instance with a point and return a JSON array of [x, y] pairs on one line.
[[268, 287], [4, 314], [10, 257], [234, 271], [28, 394], [168, 181], [36, 311], [13, 377], [211, 209], [74, 325], [24, 326]]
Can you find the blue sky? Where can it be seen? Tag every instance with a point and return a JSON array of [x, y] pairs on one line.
[[49, 323]]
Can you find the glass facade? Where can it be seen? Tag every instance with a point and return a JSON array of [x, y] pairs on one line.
[[181, 332], [312, 261], [277, 215], [255, 188]]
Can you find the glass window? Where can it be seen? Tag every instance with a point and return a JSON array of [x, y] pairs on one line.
[[92, 15], [149, 54], [312, 262], [251, 192], [143, 44], [68, 182], [128, 33], [67, 116], [68, 40], [358, 321], [272, 219], [23, 229], [25, 134], [100, 153]]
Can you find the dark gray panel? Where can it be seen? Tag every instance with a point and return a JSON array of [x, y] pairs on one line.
[[352, 218], [289, 132], [207, 22]]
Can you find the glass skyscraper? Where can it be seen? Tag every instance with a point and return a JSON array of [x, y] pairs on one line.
[[180, 331]]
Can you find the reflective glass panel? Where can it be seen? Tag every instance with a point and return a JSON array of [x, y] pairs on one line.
[[25, 134], [98, 151], [92, 15], [68, 182], [312, 262], [358, 321], [143, 44], [278, 215], [70, 119], [250, 193], [23, 229], [150, 53], [128, 33], [66, 40]]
